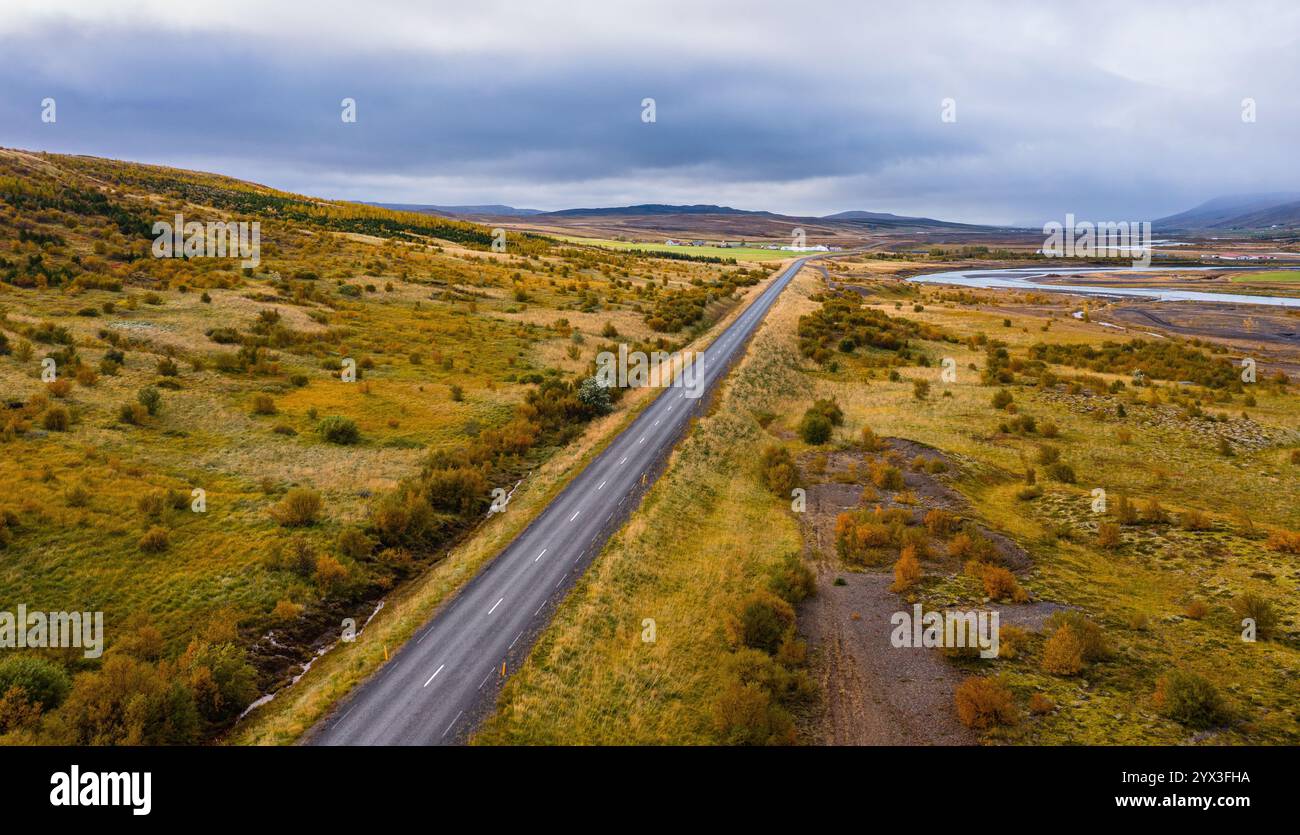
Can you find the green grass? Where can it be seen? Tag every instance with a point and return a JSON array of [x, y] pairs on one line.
[[1271, 276], [742, 253]]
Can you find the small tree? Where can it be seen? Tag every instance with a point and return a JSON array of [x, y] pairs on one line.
[[595, 396]]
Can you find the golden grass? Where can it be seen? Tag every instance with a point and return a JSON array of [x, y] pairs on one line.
[[685, 560]]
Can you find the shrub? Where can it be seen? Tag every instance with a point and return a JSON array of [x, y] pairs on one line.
[[286, 610], [42, 681], [885, 476], [86, 376], [920, 389], [151, 505], [1095, 646], [150, 399], [133, 414], [1062, 472], [1288, 542], [1002, 399], [299, 508], [1154, 514], [764, 620], [815, 428], [1108, 536], [59, 388], [56, 419], [872, 442], [1048, 454], [1260, 610], [1196, 610], [263, 404], [778, 471], [1041, 705], [330, 574], [354, 544], [1063, 653], [1190, 699], [1194, 520], [745, 715], [793, 580], [154, 540], [940, 522], [984, 701], [339, 430], [1001, 584], [831, 409], [167, 367], [1029, 493], [76, 496], [907, 571]]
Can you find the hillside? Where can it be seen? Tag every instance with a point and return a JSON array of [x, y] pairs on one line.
[[1238, 213], [184, 447]]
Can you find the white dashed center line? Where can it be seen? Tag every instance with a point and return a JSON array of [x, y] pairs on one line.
[[602, 484], [490, 611], [435, 674], [575, 515], [535, 559]]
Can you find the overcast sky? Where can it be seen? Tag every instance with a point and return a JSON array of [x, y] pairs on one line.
[[1124, 111]]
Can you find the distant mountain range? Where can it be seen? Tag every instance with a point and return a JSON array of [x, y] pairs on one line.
[[701, 219], [1237, 213], [494, 209]]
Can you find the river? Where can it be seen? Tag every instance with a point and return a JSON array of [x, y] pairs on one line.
[[1023, 278]]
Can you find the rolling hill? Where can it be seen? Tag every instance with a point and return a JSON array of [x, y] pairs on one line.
[[1243, 212]]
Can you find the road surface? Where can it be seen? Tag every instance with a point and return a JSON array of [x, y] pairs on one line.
[[437, 687]]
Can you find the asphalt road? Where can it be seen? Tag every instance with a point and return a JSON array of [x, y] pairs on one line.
[[437, 687]]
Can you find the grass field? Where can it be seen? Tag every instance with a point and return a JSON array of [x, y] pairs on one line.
[[453, 346], [1163, 595], [740, 253], [688, 560], [1269, 276]]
